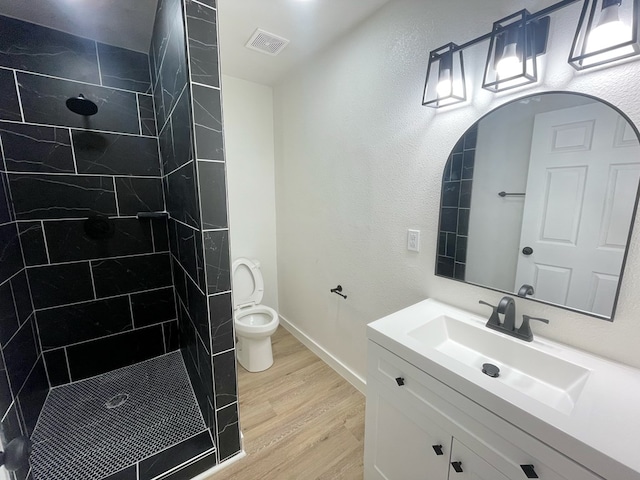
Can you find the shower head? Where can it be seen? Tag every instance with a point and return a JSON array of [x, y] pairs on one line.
[[82, 106]]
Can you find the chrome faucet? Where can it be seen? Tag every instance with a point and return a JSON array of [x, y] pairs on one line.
[[507, 308]]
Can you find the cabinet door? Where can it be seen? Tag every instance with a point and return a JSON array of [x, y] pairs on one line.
[[399, 441], [471, 465]]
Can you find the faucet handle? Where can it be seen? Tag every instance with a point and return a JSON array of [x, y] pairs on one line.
[[525, 329], [494, 319]]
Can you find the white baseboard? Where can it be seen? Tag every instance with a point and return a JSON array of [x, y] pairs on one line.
[[207, 475], [345, 372]]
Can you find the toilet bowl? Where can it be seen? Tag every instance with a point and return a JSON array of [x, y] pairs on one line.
[[254, 323]]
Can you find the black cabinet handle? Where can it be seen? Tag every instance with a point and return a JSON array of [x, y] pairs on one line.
[[400, 381], [457, 466], [438, 449], [529, 471]]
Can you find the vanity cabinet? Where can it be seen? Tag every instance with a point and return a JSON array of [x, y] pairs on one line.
[[418, 428]]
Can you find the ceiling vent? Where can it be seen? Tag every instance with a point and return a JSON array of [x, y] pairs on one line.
[[266, 42]]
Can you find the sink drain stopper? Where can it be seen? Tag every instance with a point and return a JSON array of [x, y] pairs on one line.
[[491, 370]]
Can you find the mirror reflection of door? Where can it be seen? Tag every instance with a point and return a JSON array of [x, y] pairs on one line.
[[577, 162], [576, 223]]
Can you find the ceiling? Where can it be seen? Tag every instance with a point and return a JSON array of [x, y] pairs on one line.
[[123, 23], [311, 25]]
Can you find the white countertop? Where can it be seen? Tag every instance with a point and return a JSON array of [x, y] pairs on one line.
[[601, 431]]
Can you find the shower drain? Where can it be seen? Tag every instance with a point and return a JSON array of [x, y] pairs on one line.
[[117, 401]]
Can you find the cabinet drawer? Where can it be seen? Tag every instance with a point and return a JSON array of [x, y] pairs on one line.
[[479, 429]]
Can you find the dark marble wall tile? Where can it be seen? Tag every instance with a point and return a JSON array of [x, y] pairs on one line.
[[192, 470], [153, 307], [124, 68], [147, 115], [6, 396], [112, 154], [224, 366], [68, 241], [160, 234], [139, 195], [228, 431], [61, 196], [26, 46], [181, 133], [174, 65], [22, 296], [448, 219], [10, 253], [216, 248], [221, 318], [171, 336], [33, 395], [131, 274], [9, 105], [203, 44], [213, 193], [43, 101], [6, 215], [130, 473], [155, 465], [31, 148], [55, 285], [165, 144], [56, 364], [70, 324], [181, 195], [158, 102], [445, 266], [8, 315], [186, 249], [20, 354], [208, 123], [197, 310], [211, 3], [106, 354], [10, 427]]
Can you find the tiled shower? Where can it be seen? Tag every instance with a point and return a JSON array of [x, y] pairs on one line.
[[115, 294]]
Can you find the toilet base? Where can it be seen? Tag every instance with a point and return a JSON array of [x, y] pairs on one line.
[[254, 354]]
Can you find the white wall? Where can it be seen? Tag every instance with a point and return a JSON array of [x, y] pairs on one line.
[[359, 160], [248, 127]]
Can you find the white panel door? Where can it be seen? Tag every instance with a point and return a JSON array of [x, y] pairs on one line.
[[399, 440], [584, 169]]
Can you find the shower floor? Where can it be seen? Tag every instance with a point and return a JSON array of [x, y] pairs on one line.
[[93, 428]]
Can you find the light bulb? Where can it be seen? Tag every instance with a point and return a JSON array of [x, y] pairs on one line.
[[610, 31], [509, 65], [444, 84]]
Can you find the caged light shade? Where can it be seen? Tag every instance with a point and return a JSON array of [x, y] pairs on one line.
[[516, 41], [607, 31], [445, 83]]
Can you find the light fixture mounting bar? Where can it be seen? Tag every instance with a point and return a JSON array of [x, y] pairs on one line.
[[532, 17]]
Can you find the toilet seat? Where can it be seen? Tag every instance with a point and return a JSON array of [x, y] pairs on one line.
[[257, 321], [248, 288]]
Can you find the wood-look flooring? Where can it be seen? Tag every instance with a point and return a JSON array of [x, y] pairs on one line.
[[300, 419]]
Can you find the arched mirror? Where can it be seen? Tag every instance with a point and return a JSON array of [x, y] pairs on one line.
[[542, 192]]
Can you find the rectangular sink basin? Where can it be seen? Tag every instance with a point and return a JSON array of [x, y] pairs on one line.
[[548, 379]]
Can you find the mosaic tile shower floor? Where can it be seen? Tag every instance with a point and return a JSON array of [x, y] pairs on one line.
[[93, 428]]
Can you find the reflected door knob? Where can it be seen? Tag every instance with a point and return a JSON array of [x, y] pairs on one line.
[[527, 250]]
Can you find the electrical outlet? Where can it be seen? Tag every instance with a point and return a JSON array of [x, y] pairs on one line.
[[413, 240]]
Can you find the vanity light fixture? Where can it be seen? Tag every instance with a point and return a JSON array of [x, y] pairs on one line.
[[607, 31], [445, 83], [516, 42]]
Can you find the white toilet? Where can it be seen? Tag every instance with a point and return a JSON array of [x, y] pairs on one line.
[[254, 323]]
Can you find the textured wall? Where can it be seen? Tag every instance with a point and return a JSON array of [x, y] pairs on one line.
[[248, 114], [359, 161]]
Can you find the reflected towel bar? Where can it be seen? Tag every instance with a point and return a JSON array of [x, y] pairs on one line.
[[505, 194]]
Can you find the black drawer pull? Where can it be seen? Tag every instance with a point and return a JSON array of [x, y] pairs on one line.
[[400, 381], [529, 471], [438, 449], [457, 466]]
